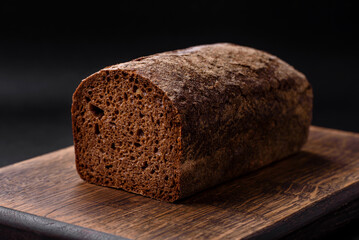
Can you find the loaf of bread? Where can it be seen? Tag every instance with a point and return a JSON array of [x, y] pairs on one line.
[[172, 124]]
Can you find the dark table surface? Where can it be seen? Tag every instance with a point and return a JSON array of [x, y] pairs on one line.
[[44, 54]]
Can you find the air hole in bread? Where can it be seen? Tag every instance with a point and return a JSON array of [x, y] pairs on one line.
[[134, 88], [97, 129], [98, 112], [145, 165], [140, 132]]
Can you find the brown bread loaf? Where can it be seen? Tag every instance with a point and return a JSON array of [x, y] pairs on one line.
[[171, 124]]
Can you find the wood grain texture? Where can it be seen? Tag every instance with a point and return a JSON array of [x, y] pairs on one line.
[[268, 203]]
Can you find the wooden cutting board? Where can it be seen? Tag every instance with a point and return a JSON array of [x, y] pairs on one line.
[[272, 202]]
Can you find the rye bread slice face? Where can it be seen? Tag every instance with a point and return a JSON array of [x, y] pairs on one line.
[[127, 135]]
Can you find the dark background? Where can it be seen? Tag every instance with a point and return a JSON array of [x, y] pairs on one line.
[[47, 49]]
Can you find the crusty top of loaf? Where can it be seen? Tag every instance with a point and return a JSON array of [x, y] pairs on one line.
[[201, 71]]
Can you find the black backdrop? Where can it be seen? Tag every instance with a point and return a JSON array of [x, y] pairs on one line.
[[47, 49]]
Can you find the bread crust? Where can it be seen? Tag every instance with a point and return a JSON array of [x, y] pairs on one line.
[[240, 109]]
